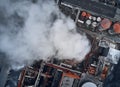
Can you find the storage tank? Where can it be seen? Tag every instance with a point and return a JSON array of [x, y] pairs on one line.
[[88, 15], [94, 18], [88, 22], [94, 24], [83, 14], [105, 24], [116, 28], [89, 84], [99, 19]]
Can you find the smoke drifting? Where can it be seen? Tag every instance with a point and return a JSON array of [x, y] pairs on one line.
[[32, 31]]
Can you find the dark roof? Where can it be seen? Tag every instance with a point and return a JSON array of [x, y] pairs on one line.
[[103, 51], [93, 6], [57, 79]]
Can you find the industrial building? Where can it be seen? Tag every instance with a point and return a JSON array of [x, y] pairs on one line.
[[95, 18], [92, 72], [101, 23]]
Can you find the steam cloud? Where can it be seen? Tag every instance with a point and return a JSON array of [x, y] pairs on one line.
[[32, 31]]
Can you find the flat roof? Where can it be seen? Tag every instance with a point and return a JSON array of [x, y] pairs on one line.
[[93, 6]]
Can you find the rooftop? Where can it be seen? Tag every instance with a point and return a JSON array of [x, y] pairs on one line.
[[97, 8]]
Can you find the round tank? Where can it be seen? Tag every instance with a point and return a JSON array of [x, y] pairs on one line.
[[116, 28], [89, 84], [94, 18], [88, 22], [83, 14], [94, 24], [99, 19], [88, 15], [105, 24]]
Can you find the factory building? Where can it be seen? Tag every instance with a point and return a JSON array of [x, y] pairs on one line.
[[50, 75], [94, 18], [94, 7], [102, 23]]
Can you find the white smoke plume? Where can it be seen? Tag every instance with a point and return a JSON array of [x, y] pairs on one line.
[[32, 31]]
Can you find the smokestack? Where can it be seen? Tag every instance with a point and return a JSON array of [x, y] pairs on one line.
[[36, 31]]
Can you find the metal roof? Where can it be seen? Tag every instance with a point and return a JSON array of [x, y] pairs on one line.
[[96, 8]]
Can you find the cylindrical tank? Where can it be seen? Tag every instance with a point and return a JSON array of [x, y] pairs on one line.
[[83, 14], [88, 15], [105, 24], [94, 18], [89, 84], [94, 24], [88, 22], [116, 28], [99, 19]]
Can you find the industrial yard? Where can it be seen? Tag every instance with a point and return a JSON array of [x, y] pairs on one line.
[[100, 21]]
